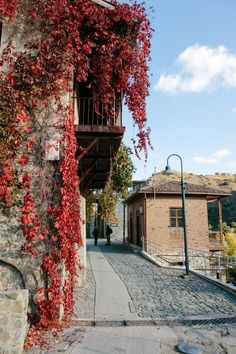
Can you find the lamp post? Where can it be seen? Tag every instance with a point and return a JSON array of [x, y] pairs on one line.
[[168, 170]]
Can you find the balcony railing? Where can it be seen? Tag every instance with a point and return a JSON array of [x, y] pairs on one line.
[[105, 114], [215, 239]]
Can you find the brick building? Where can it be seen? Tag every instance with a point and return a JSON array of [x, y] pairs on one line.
[[155, 216]]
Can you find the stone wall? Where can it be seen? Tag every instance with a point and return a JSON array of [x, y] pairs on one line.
[[13, 321], [11, 239], [18, 270], [118, 228]]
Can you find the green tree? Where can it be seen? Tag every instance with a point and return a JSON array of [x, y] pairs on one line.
[[107, 200], [118, 184], [122, 171], [90, 200]]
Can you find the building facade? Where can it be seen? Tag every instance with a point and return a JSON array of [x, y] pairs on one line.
[[155, 218]]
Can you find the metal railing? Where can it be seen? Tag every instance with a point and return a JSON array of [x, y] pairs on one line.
[[105, 114], [215, 264]]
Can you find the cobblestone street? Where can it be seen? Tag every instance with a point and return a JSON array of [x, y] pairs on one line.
[[153, 292], [158, 292]]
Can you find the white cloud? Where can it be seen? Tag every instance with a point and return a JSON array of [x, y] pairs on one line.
[[215, 158], [222, 153], [168, 82], [205, 160], [201, 68], [234, 109]]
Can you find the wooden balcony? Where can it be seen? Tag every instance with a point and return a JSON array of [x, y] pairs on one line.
[[99, 132], [99, 114]]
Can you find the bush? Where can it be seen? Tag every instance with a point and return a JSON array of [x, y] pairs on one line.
[[230, 238], [232, 272]]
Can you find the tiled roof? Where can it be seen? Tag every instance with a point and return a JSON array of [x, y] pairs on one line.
[[174, 187]]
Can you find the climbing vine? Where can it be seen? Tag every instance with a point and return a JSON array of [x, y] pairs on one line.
[[60, 41]]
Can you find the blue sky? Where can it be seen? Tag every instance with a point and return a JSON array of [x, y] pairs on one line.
[[192, 103]]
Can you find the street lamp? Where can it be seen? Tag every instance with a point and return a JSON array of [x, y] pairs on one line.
[[168, 171]]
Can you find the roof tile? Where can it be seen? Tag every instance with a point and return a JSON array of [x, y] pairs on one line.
[[175, 187]]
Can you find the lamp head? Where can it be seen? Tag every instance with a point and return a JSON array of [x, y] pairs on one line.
[[168, 170]]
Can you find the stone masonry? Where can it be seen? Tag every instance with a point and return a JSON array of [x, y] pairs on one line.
[[156, 292], [13, 320], [18, 270], [159, 292]]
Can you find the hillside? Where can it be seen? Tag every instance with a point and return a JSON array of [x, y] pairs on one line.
[[223, 181]]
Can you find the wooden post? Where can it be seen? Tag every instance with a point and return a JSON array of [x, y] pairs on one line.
[[124, 223], [145, 222], [220, 222]]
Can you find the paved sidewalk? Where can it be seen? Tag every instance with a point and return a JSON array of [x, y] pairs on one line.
[[121, 285], [112, 300]]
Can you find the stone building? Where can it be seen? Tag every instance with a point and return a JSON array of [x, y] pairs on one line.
[[98, 138], [98, 141], [155, 218]]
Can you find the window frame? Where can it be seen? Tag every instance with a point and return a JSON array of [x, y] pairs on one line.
[[178, 220]]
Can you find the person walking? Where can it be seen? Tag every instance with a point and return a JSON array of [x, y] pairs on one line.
[[108, 234], [95, 235]]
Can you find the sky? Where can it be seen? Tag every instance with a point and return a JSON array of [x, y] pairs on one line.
[[192, 104]]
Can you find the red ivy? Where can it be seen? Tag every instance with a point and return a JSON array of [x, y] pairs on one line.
[[109, 50], [6, 180], [68, 221], [8, 7]]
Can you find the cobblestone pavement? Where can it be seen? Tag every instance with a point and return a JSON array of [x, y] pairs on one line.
[[155, 292], [159, 292], [85, 295]]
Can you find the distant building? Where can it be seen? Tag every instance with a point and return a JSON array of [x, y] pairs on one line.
[[154, 214]]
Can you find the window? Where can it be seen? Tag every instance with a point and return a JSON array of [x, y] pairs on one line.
[[176, 217]]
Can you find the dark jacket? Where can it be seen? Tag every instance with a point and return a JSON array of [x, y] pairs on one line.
[[95, 232], [108, 230]]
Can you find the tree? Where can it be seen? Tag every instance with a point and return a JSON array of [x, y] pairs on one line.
[[118, 184], [122, 171]]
